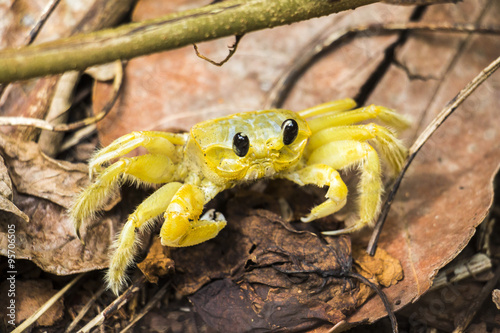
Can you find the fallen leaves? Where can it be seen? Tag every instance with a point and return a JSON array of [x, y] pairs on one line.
[[31, 295], [34, 173], [44, 189], [449, 188], [239, 277], [270, 276], [6, 203]]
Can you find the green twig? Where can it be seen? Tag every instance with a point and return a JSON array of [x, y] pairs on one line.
[[232, 17]]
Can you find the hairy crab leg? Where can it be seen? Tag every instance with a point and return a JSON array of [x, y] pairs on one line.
[[392, 149], [350, 153], [146, 168], [155, 142], [386, 115], [125, 246], [329, 107], [183, 225], [321, 175]]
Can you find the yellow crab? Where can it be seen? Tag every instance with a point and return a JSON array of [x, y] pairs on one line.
[[219, 154]]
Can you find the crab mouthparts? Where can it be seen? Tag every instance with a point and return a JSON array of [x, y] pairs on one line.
[[260, 170]]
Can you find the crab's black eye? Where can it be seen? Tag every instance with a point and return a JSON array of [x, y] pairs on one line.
[[290, 130], [240, 144]]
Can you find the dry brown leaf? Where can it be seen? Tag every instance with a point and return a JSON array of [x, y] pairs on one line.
[[15, 30], [49, 239], [269, 276], [496, 298], [157, 263], [6, 203], [44, 189], [36, 174], [448, 190], [30, 296]]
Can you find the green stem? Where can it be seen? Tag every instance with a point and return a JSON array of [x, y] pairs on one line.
[[232, 17]]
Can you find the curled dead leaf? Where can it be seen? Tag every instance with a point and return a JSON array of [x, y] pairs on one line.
[[36, 174], [6, 203], [157, 263], [268, 276], [496, 298], [43, 189]]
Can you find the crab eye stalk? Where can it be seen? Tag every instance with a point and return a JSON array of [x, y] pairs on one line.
[[290, 130], [241, 144]]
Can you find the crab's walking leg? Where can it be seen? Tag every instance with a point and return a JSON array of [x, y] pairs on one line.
[[391, 149], [155, 142], [183, 226], [321, 175], [126, 243], [329, 107], [351, 153], [156, 167], [182, 205], [146, 168], [332, 119]]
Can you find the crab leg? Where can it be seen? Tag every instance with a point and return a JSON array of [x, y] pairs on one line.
[[155, 142], [329, 107], [336, 118], [146, 168], [321, 175], [126, 243], [391, 148], [183, 226], [351, 153]]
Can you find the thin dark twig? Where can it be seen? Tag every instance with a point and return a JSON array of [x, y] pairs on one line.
[[381, 294], [426, 134], [38, 26], [116, 305], [159, 294], [326, 39], [85, 309], [478, 301], [35, 30], [232, 50]]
